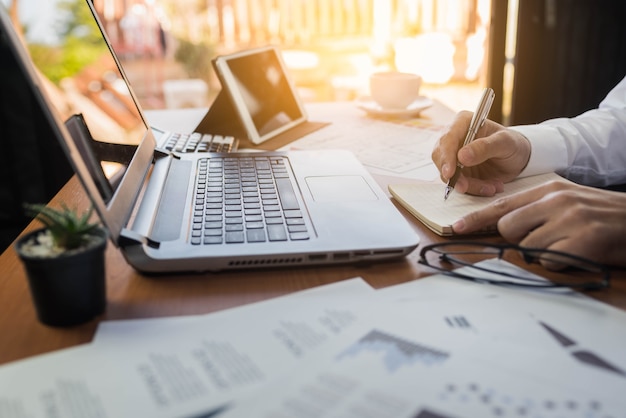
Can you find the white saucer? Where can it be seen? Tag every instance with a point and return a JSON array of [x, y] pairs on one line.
[[367, 104]]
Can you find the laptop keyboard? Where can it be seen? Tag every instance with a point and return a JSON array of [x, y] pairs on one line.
[[197, 142], [246, 199]]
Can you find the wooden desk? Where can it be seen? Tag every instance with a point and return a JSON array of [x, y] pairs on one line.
[[132, 295]]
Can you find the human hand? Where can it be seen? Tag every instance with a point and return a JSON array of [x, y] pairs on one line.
[[559, 215], [496, 156]]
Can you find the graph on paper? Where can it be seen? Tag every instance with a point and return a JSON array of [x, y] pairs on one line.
[[395, 352], [487, 400]]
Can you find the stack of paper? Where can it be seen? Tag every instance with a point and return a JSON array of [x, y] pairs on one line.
[[435, 347]]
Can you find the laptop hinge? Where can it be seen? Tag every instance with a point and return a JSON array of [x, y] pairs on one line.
[[158, 154], [129, 238]]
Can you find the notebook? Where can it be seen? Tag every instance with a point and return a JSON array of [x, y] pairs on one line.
[[425, 201], [330, 208]]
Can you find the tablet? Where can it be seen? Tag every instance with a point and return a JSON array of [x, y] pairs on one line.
[[262, 93]]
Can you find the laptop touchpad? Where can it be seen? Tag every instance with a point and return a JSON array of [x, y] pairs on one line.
[[340, 189]]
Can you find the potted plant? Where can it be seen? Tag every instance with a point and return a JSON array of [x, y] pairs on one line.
[[64, 263]]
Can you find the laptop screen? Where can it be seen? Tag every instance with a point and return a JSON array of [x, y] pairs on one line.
[[82, 80], [82, 89]]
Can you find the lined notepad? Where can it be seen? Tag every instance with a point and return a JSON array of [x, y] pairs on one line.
[[425, 201]]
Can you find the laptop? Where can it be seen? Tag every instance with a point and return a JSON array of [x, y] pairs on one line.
[[195, 212]]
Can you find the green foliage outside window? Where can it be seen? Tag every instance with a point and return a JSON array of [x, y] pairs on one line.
[[78, 34]]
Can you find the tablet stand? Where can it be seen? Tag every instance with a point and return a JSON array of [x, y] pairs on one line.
[[221, 119]]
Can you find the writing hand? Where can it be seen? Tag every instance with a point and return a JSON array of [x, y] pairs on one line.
[[496, 156]]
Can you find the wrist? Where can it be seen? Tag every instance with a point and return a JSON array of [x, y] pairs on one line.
[[526, 150], [544, 151]]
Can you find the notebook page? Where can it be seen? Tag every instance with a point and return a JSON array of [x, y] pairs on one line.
[[425, 200]]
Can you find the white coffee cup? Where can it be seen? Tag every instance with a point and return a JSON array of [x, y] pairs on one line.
[[394, 90]]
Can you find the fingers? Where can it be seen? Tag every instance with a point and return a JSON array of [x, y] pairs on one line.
[[477, 187], [491, 215], [554, 222], [559, 216], [504, 145], [483, 149], [496, 155], [485, 188], [444, 154]]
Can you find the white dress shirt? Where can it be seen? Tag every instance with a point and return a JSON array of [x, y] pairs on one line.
[[588, 149]]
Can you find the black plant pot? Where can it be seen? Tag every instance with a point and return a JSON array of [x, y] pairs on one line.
[[69, 289]]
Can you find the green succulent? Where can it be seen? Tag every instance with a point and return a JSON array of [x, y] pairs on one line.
[[69, 229]]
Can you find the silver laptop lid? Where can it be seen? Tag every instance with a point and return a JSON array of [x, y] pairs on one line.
[[73, 71]]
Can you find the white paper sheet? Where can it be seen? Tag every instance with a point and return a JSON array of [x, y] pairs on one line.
[[443, 347], [183, 366], [400, 148]]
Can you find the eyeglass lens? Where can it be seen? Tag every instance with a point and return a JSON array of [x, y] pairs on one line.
[[564, 269]]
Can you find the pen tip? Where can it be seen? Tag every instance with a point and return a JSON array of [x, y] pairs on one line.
[[446, 193]]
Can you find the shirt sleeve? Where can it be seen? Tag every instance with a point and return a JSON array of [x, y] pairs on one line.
[[588, 149]]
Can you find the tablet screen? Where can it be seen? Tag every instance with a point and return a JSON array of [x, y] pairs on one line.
[[261, 91]]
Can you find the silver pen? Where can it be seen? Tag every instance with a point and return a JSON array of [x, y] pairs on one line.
[[478, 119]]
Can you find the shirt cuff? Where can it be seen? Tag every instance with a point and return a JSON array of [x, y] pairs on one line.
[[548, 150]]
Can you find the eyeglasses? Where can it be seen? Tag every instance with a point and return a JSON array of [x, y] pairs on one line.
[[567, 270]]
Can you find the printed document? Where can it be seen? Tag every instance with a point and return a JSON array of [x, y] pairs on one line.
[[391, 148], [444, 348], [191, 369]]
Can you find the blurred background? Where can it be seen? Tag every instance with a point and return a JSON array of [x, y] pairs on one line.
[[544, 58], [329, 46]]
